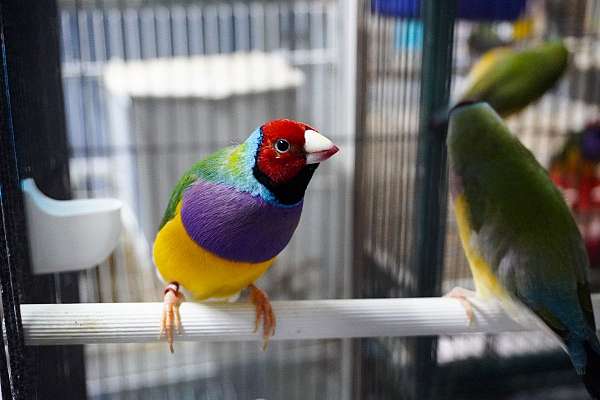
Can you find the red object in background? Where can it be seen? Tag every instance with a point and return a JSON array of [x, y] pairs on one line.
[[593, 248], [586, 186], [568, 186], [595, 194], [582, 195], [575, 170], [591, 236]]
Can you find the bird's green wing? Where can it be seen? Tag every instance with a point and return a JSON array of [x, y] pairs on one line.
[[186, 181], [567, 312], [510, 80], [487, 74], [210, 169], [519, 221]]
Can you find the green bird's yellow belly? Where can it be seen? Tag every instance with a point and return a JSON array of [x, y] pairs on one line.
[[205, 275], [486, 283]]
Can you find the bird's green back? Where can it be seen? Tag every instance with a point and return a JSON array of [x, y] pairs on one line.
[[502, 170], [510, 79]]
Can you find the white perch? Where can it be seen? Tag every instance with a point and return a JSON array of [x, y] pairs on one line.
[[55, 324]]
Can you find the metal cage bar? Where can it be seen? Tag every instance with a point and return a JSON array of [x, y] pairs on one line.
[[432, 181], [33, 144]]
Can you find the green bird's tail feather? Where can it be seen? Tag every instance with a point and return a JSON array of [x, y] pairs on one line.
[[591, 378]]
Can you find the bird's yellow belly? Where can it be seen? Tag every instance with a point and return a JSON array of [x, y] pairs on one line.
[[486, 283], [202, 273]]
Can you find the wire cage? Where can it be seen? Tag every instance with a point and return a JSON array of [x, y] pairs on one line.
[[400, 182], [151, 86], [388, 183]]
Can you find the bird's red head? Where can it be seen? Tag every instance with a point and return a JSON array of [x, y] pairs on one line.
[[287, 147]]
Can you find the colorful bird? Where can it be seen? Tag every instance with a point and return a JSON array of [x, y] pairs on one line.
[[231, 214], [575, 170], [522, 244], [577, 159], [510, 79]]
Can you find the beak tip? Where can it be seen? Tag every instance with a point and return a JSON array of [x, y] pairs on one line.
[[317, 157], [330, 152]]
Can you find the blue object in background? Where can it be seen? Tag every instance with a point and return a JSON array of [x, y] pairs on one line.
[[408, 34], [475, 10]]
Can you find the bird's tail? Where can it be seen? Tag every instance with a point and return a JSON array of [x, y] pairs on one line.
[[591, 378]]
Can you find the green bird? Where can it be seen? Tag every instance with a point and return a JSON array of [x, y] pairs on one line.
[[509, 79], [522, 244]]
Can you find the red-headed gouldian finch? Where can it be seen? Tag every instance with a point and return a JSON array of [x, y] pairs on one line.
[[232, 213], [522, 244]]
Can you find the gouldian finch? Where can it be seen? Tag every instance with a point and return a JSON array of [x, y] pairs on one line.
[[575, 169], [522, 244], [579, 156], [231, 214], [510, 79]]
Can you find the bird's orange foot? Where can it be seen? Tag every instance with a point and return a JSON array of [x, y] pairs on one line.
[[463, 296], [265, 312], [170, 316]]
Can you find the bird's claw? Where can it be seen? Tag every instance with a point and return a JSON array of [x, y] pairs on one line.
[[463, 295], [170, 315], [265, 312]]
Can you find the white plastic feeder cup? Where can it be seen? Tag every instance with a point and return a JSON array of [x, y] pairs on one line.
[[69, 235]]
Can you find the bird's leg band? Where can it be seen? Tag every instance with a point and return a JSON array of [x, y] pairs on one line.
[[170, 315]]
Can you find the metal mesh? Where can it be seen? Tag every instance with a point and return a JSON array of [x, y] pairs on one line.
[[400, 176]]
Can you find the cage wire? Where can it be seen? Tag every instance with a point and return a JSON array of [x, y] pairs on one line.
[[524, 365], [388, 257], [32, 145], [152, 87]]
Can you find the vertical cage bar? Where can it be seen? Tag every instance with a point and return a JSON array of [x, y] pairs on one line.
[[438, 19], [12, 352], [36, 125], [431, 190]]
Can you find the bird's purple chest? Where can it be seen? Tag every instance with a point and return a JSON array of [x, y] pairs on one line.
[[236, 225]]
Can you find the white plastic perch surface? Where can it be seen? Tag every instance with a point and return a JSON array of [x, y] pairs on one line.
[[69, 235], [56, 324]]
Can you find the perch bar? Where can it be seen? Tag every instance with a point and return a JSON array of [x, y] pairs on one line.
[[55, 324]]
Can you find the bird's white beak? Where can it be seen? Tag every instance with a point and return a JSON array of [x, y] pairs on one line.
[[317, 147]]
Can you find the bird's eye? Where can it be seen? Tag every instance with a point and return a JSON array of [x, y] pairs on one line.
[[282, 145]]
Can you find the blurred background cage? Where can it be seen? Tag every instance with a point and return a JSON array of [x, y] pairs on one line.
[[150, 86]]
